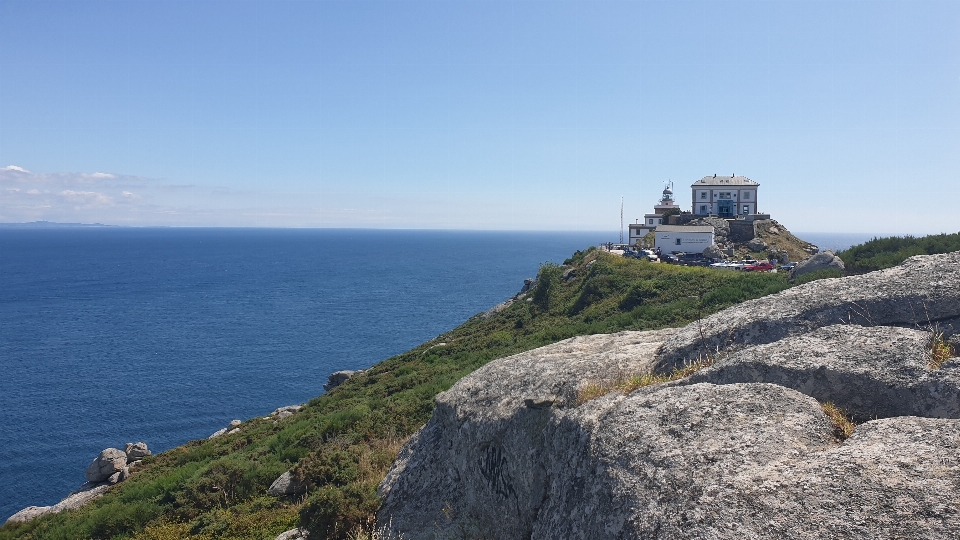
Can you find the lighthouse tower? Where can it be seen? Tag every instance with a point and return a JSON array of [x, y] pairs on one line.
[[650, 221]]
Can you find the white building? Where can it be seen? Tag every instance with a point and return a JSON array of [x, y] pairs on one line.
[[683, 238], [724, 196], [652, 221]]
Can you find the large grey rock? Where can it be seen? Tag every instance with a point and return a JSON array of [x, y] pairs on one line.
[[756, 244], [136, 451], [921, 291], [875, 372], [86, 493], [110, 461], [528, 387], [288, 408], [508, 453], [285, 484], [293, 534], [782, 256], [337, 378], [713, 252], [498, 308], [825, 260], [118, 476], [530, 283], [285, 412]]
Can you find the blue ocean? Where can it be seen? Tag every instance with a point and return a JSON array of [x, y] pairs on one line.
[[115, 335]]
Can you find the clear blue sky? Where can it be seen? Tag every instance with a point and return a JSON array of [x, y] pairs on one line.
[[477, 114]]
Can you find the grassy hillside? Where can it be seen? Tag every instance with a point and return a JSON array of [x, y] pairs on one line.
[[887, 252], [343, 442]]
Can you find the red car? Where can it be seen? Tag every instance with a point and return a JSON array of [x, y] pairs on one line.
[[759, 266]]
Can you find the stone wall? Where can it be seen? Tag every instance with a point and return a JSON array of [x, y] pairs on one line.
[[741, 231]]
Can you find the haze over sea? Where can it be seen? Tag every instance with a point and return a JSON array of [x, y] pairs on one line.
[[115, 335]]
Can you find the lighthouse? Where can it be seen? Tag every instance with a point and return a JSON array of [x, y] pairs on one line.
[[650, 221]]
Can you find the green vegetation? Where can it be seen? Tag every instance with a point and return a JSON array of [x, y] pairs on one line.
[[882, 253], [343, 442]]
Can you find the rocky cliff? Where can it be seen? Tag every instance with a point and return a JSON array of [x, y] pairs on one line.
[[742, 448]]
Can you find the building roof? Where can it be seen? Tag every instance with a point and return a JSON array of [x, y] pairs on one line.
[[685, 228], [715, 180]]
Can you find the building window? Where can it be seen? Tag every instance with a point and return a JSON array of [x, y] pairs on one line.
[[746, 209], [746, 196], [650, 222], [703, 209], [725, 195], [659, 221], [703, 194], [678, 241]]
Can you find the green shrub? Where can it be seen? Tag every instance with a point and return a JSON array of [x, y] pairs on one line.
[[882, 253], [578, 256], [547, 280], [334, 512]]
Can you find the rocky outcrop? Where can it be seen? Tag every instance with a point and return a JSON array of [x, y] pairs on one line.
[[870, 372], [337, 378], [284, 412], [293, 534], [757, 245], [739, 449], [136, 451], [924, 290], [232, 427], [286, 485], [108, 468], [825, 260], [84, 494], [109, 462]]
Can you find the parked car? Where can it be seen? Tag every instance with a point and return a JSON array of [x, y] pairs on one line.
[[759, 266], [788, 266]]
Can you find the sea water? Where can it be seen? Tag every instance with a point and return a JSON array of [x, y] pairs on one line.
[[116, 335]]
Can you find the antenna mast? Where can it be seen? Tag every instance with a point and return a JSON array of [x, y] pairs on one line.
[[621, 219]]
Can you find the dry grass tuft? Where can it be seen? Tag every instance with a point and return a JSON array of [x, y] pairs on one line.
[[373, 533], [843, 424], [630, 383], [940, 349]]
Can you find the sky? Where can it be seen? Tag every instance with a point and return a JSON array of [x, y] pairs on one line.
[[518, 114]]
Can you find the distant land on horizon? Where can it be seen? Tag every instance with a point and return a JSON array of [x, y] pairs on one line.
[[51, 224]]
